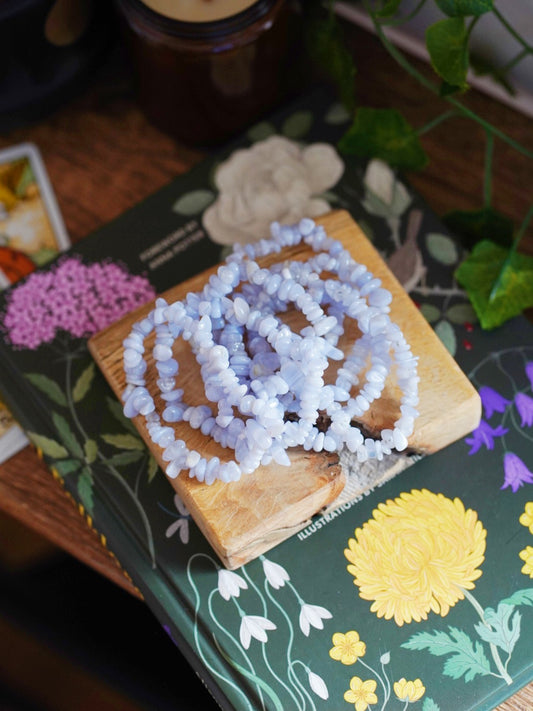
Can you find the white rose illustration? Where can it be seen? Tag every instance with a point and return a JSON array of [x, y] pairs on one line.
[[275, 179]]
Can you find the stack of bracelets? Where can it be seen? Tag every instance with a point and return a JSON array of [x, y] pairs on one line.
[[266, 382]]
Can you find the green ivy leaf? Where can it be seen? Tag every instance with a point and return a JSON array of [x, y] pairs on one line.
[[445, 332], [153, 468], [484, 67], [83, 384], [474, 225], [463, 8], [48, 446], [498, 287], [48, 387], [67, 436], [388, 8], [385, 134], [85, 489], [193, 202], [442, 248], [124, 441], [116, 409], [297, 125], [461, 314], [91, 451], [67, 466], [326, 47], [447, 44]]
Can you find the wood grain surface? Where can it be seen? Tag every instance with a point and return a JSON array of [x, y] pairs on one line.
[[103, 157], [243, 519]]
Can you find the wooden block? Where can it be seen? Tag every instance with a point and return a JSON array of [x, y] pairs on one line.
[[243, 519]]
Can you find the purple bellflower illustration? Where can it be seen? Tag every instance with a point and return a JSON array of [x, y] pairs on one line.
[[516, 472], [524, 405], [492, 401], [484, 435]]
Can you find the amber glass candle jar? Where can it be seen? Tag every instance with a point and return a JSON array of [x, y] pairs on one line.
[[206, 77]]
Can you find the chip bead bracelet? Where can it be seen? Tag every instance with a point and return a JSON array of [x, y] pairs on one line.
[[280, 376]]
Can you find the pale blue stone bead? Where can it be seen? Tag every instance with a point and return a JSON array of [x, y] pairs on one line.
[[324, 324], [167, 368], [306, 226], [144, 327], [378, 450], [172, 470], [406, 425], [166, 437], [241, 309], [370, 447], [200, 414], [198, 471], [266, 459], [318, 444], [399, 439], [132, 358], [172, 395], [223, 420], [137, 371], [192, 459], [260, 276], [378, 324], [134, 341], [369, 286], [211, 470], [143, 404], [207, 426], [174, 450], [353, 439], [174, 412], [280, 456], [362, 454], [162, 352], [387, 436], [409, 411], [329, 444], [380, 298]]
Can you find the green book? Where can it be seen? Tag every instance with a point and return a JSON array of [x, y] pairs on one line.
[[420, 593]]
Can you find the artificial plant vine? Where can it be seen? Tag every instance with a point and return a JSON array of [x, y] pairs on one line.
[[497, 277]]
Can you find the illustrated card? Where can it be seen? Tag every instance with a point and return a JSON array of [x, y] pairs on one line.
[[32, 233]]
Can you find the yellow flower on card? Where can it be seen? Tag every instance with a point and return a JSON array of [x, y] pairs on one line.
[[410, 691], [361, 693], [347, 647], [417, 554], [527, 557], [526, 519]]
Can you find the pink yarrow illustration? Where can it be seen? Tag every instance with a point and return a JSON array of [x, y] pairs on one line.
[[73, 297]]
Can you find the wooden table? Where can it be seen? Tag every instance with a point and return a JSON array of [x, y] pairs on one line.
[[103, 157]]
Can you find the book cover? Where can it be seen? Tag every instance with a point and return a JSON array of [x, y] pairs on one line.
[[417, 594]]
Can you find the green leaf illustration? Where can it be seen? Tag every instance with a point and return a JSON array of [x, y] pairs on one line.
[[520, 597], [445, 332], [430, 312], [125, 458], [430, 705], [91, 451], [48, 446], [66, 435], [85, 489], [115, 408], [261, 131], [385, 134], [463, 8], [466, 659], [499, 288], [504, 630], [153, 468], [447, 43], [461, 314], [297, 125], [193, 203], [83, 384], [337, 114], [475, 225], [67, 466], [124, 441], [48, 387], [442, 248]]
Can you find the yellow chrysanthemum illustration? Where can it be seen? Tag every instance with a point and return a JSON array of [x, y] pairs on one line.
[[347, 647], [361, 693], [417, 553], [410, 691], [526, 519], [527, 557]]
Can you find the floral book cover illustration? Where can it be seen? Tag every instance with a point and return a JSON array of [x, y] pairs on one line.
[[420, 594]]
